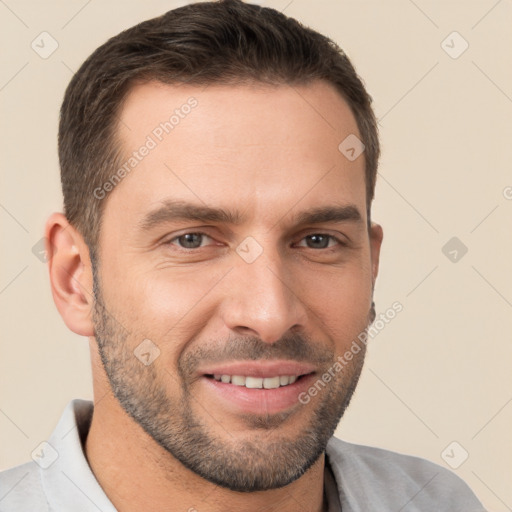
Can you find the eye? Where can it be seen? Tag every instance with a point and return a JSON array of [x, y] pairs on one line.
[[319, 241], [190, 240]]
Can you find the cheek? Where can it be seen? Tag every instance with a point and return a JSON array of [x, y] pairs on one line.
[[163, 305], [340, 300]]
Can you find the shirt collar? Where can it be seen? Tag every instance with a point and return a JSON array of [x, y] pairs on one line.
[[69, 482]]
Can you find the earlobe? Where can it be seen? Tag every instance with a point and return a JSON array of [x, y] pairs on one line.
[[70, 274]]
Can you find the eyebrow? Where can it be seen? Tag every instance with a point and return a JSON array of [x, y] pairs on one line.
[[172, 210], [179, 210], [333, 213]]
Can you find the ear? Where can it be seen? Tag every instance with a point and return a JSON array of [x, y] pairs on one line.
[[70, 274], [376, 236]]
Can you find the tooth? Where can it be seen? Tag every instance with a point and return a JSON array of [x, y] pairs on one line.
[[238, 380], [254, 382], [271, 382]]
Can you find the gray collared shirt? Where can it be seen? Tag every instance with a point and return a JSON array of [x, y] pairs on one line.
[[357, 478]]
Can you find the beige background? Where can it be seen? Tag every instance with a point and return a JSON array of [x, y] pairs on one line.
[[441, 370]]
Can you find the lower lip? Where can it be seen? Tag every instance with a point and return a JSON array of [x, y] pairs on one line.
[[259, 401]]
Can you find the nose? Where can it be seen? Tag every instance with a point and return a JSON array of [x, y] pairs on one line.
[[261, 300]]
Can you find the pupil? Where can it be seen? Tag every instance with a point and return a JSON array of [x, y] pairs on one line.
[[190, 240], [318, 241]]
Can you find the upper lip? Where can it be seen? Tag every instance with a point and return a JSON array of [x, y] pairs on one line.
[[258, 368]]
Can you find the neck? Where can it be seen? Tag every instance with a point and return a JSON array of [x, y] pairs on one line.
[[138, 474]]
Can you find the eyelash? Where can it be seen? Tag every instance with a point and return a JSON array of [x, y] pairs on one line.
[[339, 242], [170, 242]]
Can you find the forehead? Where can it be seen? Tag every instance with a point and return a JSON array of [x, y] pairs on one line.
[[218, 112], [246, 146]]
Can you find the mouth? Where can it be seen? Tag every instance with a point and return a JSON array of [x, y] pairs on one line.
[[264, 387]]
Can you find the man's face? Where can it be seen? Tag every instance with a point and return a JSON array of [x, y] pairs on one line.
[[238, 248]]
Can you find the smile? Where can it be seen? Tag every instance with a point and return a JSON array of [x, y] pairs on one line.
[[256, 382]]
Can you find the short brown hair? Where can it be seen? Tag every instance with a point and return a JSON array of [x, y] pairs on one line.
[[228, 42]]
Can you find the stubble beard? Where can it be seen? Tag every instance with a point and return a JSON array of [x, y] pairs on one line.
[[270, 460]]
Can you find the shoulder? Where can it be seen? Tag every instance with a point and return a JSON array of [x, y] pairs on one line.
[[21, 489], [27, 486], [368, 476]]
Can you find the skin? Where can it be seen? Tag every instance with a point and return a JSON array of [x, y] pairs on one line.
[[269, 153]]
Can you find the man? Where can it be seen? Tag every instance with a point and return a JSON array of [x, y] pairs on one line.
[[218, 166]]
